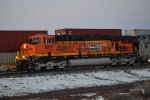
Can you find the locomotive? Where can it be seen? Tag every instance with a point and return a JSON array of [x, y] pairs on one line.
[[65, 51]]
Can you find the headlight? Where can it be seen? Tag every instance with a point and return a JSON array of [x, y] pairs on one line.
[[16, 57], [24, 46], [23, 56], [149, 60]]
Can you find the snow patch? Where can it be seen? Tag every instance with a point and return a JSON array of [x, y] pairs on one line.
[[17, 86], [87, 94], [99, 98]]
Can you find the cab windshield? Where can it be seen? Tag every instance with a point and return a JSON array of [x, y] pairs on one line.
[[34, 40]]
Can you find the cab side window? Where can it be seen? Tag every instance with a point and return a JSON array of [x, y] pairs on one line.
[[52, 40], [47, 40]]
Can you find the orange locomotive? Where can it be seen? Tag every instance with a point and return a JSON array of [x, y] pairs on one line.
[[49, 51]]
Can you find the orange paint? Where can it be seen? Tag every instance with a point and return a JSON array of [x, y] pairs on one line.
[[45, 45]]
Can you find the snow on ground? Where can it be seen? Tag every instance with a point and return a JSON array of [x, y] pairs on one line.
[[99, 98], [86, 94], [89, 95], [17, 86]]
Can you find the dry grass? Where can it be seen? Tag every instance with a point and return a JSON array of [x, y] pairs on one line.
[[141, 91]]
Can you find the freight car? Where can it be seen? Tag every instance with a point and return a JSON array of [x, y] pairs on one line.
[[64, 51], [91, 32]]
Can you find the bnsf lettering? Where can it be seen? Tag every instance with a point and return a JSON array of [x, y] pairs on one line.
[[48, 46], [64, 47]]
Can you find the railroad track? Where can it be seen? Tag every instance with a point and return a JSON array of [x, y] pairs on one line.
[[70, 70]]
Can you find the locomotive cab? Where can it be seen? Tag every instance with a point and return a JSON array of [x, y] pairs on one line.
[[37, 46]]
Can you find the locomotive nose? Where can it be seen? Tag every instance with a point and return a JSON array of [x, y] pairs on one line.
[[27, 50], [25, 46]]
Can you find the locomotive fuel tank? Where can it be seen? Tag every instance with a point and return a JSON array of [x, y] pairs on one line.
[[90, 62]]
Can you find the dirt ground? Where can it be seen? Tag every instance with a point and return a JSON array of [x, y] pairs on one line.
[[133, 91]]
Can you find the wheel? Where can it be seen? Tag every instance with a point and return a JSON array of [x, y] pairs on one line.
[[21, 65], [18, 66], [55, 67], [43, 69]]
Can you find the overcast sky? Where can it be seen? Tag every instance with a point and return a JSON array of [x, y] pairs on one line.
[[53, 14]]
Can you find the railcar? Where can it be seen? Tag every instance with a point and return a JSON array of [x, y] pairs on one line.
[[64, 51]]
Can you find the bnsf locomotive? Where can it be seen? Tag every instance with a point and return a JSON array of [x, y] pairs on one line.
[[64, 51]]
